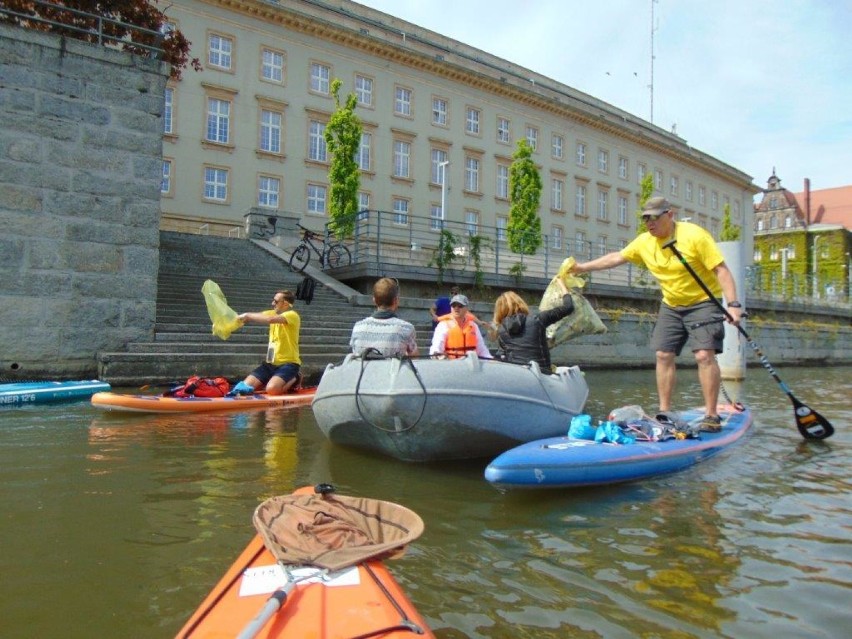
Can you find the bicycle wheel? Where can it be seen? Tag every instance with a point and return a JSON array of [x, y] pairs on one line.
[[299, 258], [338, 255]]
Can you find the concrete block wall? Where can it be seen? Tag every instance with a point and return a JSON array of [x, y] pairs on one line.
[[80, 167]]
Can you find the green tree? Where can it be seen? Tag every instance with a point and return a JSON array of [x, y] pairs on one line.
[[343, 137], [524, 230], [139, 13], [646, 190], [730, 231]]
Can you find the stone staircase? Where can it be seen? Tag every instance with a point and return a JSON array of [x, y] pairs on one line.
[[248, 275]]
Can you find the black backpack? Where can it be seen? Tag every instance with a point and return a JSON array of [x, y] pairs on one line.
[[305, 289]]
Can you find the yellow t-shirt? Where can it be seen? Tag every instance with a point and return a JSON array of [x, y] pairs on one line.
[[678, 286], [284, 339]]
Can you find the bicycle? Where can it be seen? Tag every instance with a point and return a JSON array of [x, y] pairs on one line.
[[331, 254]]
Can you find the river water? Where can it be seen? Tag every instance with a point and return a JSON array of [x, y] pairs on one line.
[[117, 526]]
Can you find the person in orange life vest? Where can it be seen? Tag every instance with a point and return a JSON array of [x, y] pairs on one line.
[[458, 334]]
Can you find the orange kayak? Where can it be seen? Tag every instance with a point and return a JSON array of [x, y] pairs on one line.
[[161, 404], [364, 600]]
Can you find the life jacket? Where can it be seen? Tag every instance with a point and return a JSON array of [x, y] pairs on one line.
[[460, 339], [197, 386]]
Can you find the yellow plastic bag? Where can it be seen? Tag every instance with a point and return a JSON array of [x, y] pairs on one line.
[[224, 318], [583, 321]]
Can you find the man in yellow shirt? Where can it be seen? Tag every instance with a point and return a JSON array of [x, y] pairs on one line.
[[280, 372], [686, 313]]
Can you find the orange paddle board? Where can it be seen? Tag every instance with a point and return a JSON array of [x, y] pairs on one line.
[[160, 404]]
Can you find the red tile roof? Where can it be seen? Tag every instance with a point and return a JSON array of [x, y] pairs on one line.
[[829, 206]]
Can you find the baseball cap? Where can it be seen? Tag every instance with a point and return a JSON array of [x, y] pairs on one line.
[[459, 299], [656, 206]]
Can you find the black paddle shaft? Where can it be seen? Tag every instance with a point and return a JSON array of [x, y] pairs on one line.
[[810, 423]]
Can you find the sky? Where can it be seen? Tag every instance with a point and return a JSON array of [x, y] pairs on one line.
[[757, 84]]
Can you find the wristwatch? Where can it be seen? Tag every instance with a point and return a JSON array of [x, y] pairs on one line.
[[734, 304]]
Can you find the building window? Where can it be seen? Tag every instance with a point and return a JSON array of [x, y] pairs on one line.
[[471, 220], [272, 66], [220, 51], [658, 180], [623, 167], [673, 185], [688, 191], [270, 131], [317, 149], [320, 78], [401, 159], [268, 190], [402, 101], [532, 137], [400, 211], [471, 175], [166, 182], [760, 223], [218, 120], [215, 184], [714, 201], [364, 90], [502, 224], [365, 152], [439, 156], [581, 153], [580, 201], [788, 221], [641, 170], [602, 243], [603, 161], [773, 222], [757, 255], [556, 236], [773, 252], [316, 201], [581, 247], [556, 190], [503, 135], [502, 181], [557, 144], [791, 251], [168, 111], [701, 195], [471, 120], [440, 111], [436, 214], [363, 204], [622, 210], [603, 205]]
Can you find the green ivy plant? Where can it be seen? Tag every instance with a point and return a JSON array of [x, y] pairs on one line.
[[343, 138], [477, 242], [444, 254], [517, 271]]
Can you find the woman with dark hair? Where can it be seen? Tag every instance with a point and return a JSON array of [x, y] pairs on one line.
[[520, 336]]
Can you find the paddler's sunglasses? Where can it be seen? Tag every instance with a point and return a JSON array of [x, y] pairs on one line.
[[650, 217]]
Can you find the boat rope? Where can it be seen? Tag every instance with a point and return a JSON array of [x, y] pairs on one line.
[[374, 354], [404, 624]]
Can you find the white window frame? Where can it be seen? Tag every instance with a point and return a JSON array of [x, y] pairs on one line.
[[216, 184], [166, 180], [436, 215], [364, 155], [472, 167], [440, 111], [580, 154], [623, 167], [220, 51], [272, 64], [473, 117], [271, 129], [401, 159], [320, 78], [471, 220], [502, 189], [316, 199], [218, 128], [364, 90], [622, 210], [317, 147], [437, 171], [402, 100], [658, 180], [557, 188], [268, 191], [531, 135], [504, 130], [580, 201], [168, 111], [502, 225], [557, 146], [603, 161], [603, 205], [401, 211], [556, 238]]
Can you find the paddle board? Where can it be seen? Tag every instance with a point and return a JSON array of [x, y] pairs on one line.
[[19, 393], [562, 462], [161, 404]]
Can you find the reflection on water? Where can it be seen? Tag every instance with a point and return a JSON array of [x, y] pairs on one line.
[[123, 523]]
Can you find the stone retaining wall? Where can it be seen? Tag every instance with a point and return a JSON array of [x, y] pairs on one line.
[[80, 167]]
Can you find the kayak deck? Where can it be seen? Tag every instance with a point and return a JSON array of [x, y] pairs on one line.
[[364, 600], [560, 462], [19, 393], [161, 404]]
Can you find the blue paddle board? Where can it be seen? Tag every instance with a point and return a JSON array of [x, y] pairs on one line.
[[19, 393], [562, 462]]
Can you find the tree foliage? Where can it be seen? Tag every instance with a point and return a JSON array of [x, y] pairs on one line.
[[343, 137], [646, 190], [118, 30], [730, 231], [524, 229]]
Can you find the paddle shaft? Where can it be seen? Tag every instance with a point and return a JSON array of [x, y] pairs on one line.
[[272, 605], [811, 424]]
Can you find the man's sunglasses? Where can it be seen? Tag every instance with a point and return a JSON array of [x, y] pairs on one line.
[[653, 218]]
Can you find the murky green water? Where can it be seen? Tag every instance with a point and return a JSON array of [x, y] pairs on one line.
[[116, 526]]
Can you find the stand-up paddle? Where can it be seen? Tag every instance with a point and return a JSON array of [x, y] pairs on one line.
[[810, 423]]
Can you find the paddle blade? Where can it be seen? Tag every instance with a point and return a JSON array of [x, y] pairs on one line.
[[810, 423]]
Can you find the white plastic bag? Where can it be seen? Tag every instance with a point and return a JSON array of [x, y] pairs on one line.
[[583, 321]]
